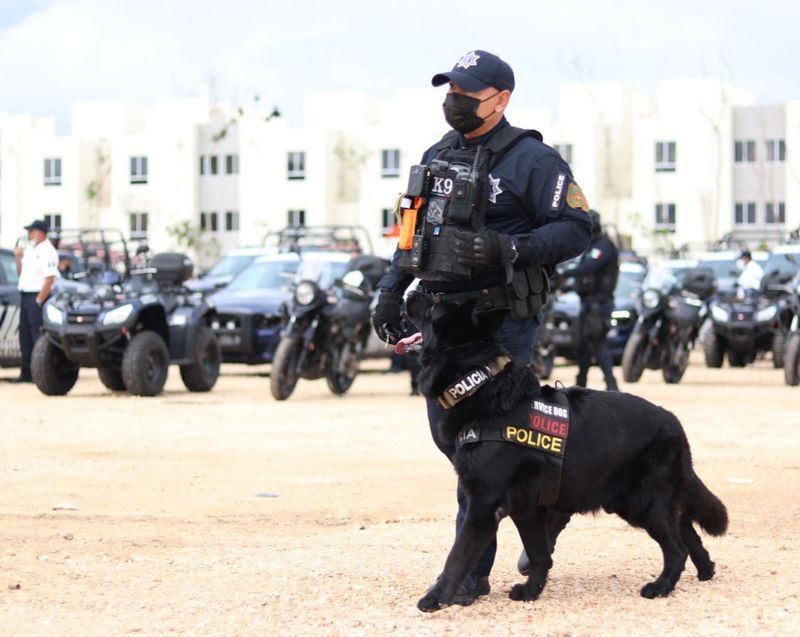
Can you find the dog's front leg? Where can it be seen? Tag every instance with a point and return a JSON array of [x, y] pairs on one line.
[[478, 530], [533, 530]]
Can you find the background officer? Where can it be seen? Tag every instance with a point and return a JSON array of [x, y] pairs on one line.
[[595, 280], [536, 215], [37, 266]]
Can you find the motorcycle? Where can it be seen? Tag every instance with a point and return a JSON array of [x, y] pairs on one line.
[[667, 328], [325, 335], [791, 359]]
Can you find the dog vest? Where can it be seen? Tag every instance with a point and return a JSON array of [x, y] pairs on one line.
[[546, 431]]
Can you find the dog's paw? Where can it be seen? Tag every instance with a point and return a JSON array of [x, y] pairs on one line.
[[431, 602], [706, 573], [656, 589], [523, 593]]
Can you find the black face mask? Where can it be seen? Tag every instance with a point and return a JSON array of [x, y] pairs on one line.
[[460, 112]]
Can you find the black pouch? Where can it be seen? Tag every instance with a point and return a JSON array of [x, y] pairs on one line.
[[527, 292]]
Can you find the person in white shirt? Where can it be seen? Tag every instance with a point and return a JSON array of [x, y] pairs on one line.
[[750, 278], [37, 266]]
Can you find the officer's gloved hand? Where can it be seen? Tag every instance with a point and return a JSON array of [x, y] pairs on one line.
[[387, 320], [483, 249]]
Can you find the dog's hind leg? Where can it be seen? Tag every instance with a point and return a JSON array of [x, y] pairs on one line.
[[663, 528], [478, 530], [534, 530], [698, 553]]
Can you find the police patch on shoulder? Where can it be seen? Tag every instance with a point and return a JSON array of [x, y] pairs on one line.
[[558, 190], [576, 198]]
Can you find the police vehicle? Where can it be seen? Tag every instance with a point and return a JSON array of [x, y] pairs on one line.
[[10, 355]]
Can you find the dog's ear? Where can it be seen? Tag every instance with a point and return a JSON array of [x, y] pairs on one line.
[[417, 307]]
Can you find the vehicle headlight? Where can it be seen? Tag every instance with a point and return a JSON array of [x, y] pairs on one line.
[[54, 315], [621, 315], [305, 292], [719, 314], [118, 315], [651, 299], [767, 314]]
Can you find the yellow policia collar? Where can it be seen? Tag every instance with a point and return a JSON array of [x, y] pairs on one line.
[[472, 381]]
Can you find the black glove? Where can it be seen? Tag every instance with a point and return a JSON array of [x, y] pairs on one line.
[[387, 319], [485, 249]]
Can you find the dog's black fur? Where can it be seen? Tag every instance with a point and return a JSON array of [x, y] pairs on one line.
[[624, 455]]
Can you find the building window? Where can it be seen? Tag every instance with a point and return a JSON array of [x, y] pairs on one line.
[[665, 216], [231, 221], [565, 150], [138, 225], [53, 221], [296, 218], [665, 157], [745, 213], [202, 165], [776, 150], [776, 212], [209, 221], [744, 152], [138, 170], [231, 164], [388, 221], [296, 164], [213, 167], [52, 172], [390, 163]]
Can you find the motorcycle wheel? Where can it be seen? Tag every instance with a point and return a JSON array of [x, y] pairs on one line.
[[713, 350], [283, 377], [633, 358], [778, 349], [791, 362], [672, 372], [347, 363]]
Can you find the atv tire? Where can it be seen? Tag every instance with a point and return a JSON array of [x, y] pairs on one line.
[[145, 364], [111, 377], [202, 374], [53, 373], [778, 349], [737, 359], [791, 362]]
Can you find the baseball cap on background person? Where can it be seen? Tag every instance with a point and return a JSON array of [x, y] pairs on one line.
[[745, 255], [38, 224], [476, 71]]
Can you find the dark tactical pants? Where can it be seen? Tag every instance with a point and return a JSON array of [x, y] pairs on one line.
[[594, 322], [518, 337], [30, 325]]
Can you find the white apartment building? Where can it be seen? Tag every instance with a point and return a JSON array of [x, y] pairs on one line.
[[685, 166]]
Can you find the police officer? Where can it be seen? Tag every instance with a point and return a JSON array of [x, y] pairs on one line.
[[495, 210], [595, 280], [37, 266]]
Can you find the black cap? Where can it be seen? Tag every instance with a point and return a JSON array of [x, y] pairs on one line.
[[476, 71], [745, 253], [38, 225]]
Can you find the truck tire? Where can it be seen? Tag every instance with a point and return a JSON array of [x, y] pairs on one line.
[[202, 374], [283, 377], [145, 364], [111, 377], [778, 349], [633, 357], [53, 373], [791, 362], [713, 350]]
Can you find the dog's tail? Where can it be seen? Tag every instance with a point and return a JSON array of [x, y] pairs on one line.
[[706, 509]]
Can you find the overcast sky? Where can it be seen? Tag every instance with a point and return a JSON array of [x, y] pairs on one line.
[[54, 52]]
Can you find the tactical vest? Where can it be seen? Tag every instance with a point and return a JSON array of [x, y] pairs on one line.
[[451, 193]]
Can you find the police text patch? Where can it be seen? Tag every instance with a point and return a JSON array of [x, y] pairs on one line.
[[558, 191]]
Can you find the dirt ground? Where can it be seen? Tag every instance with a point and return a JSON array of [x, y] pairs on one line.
[[229, 513]]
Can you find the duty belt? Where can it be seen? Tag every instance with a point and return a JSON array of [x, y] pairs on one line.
[[487, 298]]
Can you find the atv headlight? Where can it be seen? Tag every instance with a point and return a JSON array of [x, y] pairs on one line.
[[621, 315], [53, 314], [719, 314], [118, 314], [767, 314], [651, 299], [305, 292]]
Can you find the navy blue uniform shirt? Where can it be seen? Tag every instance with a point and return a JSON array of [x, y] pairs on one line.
[[532, 196]]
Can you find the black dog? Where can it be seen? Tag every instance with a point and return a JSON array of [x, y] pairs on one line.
[[623, 454]]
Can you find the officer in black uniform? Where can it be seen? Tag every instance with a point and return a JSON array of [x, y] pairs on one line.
[[489, 212], [595, 280]]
